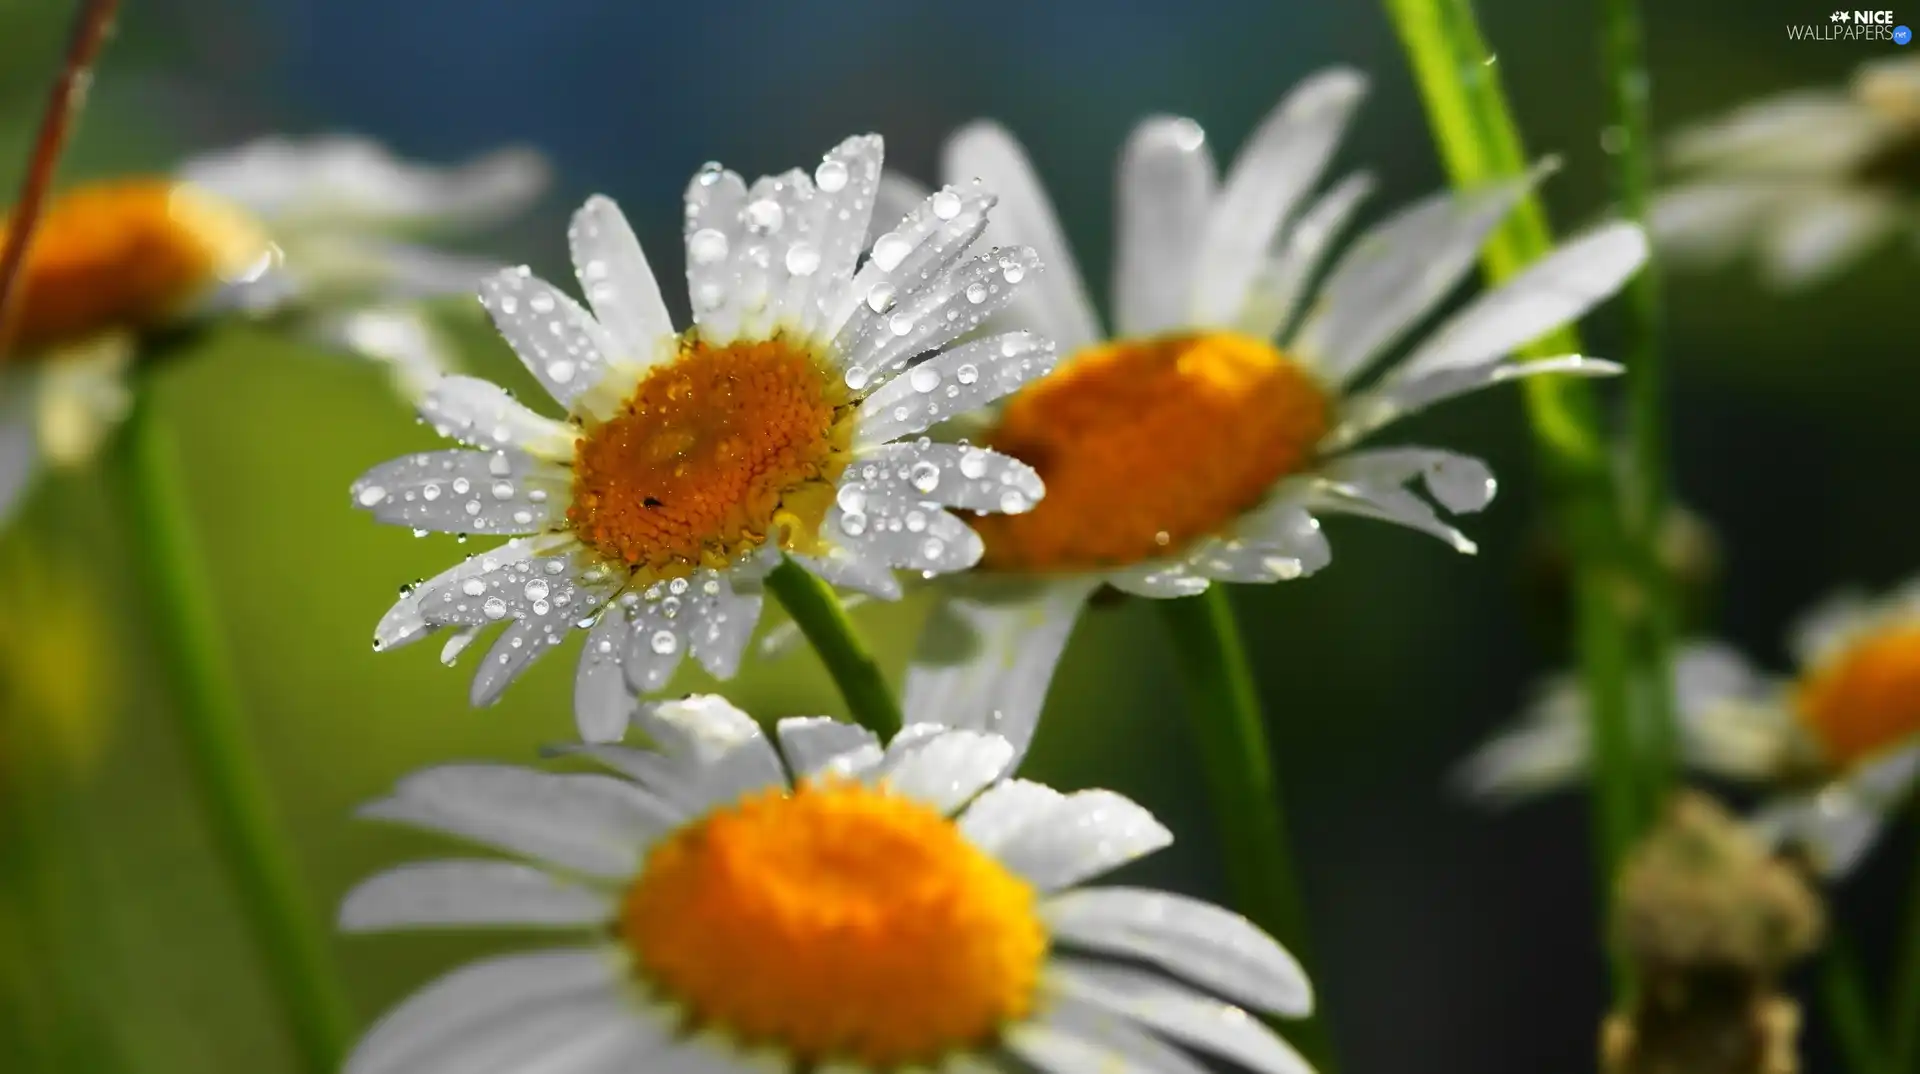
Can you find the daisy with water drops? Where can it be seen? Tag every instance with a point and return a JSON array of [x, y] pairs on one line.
[[781, 424], [1809, 182], [828, 903], [1202, 438], [1839, 742]]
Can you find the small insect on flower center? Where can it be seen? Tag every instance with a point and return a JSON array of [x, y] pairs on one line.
[[1147, 445], [1865, 698], [127, 255], [836, 923], [717, 451]]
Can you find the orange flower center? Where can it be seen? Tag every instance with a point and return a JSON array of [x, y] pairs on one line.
[[126, 255], [716, 452], [836, 923], [1147, 445], [1866, 698]]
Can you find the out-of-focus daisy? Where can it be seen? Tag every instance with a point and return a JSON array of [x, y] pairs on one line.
[[781, 423], [1199, 441], [1808, 182], [879, 909], [1839, 742], [304, 230]]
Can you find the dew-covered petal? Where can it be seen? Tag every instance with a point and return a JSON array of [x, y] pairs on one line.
[[619, 283], [715, 232], [1178, 1012], [948, 769], [513, 652], [592, 824], [843, 568], [1280, 163], [1461, 483], [1004, 810], [952, 306], [1080, 836], [1282, 526], [1058, 307], [1395, 398], [986, 666], [558, 587], [702, 614], [1275, 296], [602, 702], [846, 201], [1159, 579], [564, 348], [1824, 232], [503, 492], [897, 196], [605, 1033], [1558, 289], [407, 621], [1163, 191], [726, 622], [478, 994], [970, 376], [1395, 505], [1073, 1037], [482, 414], [917, 252], [1210, 946], [811, 743], [469, 893], [702, 730], [770, 294], [1396, 272], [952, 475], [911, 534]]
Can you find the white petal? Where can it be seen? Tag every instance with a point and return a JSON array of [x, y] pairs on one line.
[[724, 745], [843, 569], [897, 196], [19, 447], [592, 824], [1732, 721], [811, 743], [556, 588], [1159, 580], [778, 218], [1082, 835], [1193, 1019], [1397, 397], [415, 352], [1210, 946], [919, 251], [1395, 273], [1803, 133], [1556, 290], [1839, 823], [602, 702], [1163, 191], [1547, 750], [987, 665], [1280, 163], [406, 621], [910, 534], [845, 181], [1823, 233], [512, 652], [619, 283], [1709, 221], [927, 318], [564, 348], [704, 614], [503, 492], [475, 995], [1461, 483], [1277, 292], [600, 1034], [952, 475], [973, 374], [1003, 811], [1075, 1038], [468, 893], [1277, 541], [715, 236], [1058, 307], [481, 414], [947, 770]]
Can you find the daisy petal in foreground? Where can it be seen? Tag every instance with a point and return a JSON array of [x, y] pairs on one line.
[[1839, 743], [896, 908], [1200, 442], [781, 423]]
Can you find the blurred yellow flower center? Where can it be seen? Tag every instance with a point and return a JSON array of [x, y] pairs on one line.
[[715, 452], [1867, 697], [837, 923], [127, 255], [1147, 445]]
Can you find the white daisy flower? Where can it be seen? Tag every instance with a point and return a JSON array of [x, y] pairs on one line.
[[1839, 742], [781, 423], [301, 230], [1809, 182], [882, 909], [1200, 441]]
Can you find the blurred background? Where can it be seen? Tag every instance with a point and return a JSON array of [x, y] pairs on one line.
[[1448, 937]]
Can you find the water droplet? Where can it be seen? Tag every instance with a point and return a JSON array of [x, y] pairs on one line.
[[830, 176], [706, 246], [372, 496], [560, 372], [891, 249], [1013, 272], [536, 589], [664, 642], [711, 587], [924, 378], [460, 486], [473, 507], [677, 586], [1013, 345], [880, 297], [709, 173], [765, 216], [932, 548], [495, 608], [499, 465], [916, 521], [900, 324], [856, 378], [853, 523], [803, 258], [946, 205], [851, 498], [976, 293], [924, 476], [523, 517], [430, 493], [541, 302], [503, 490], [473, 587], [973, 463], [1013, 502]]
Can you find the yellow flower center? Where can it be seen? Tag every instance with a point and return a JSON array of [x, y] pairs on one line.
[[1867, 697], [1147, 445], [836, 923], [126, 255], [715, 451]]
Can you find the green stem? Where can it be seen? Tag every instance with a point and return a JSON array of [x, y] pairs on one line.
[[1843, 992], [820, 617], [1903, 1011], [234, 796], [1479, 143], [1223, 708]]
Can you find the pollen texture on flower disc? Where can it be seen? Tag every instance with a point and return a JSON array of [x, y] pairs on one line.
[[1147, 445], [1865, 698], [125, 255], [715, 452], [836, 923]]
